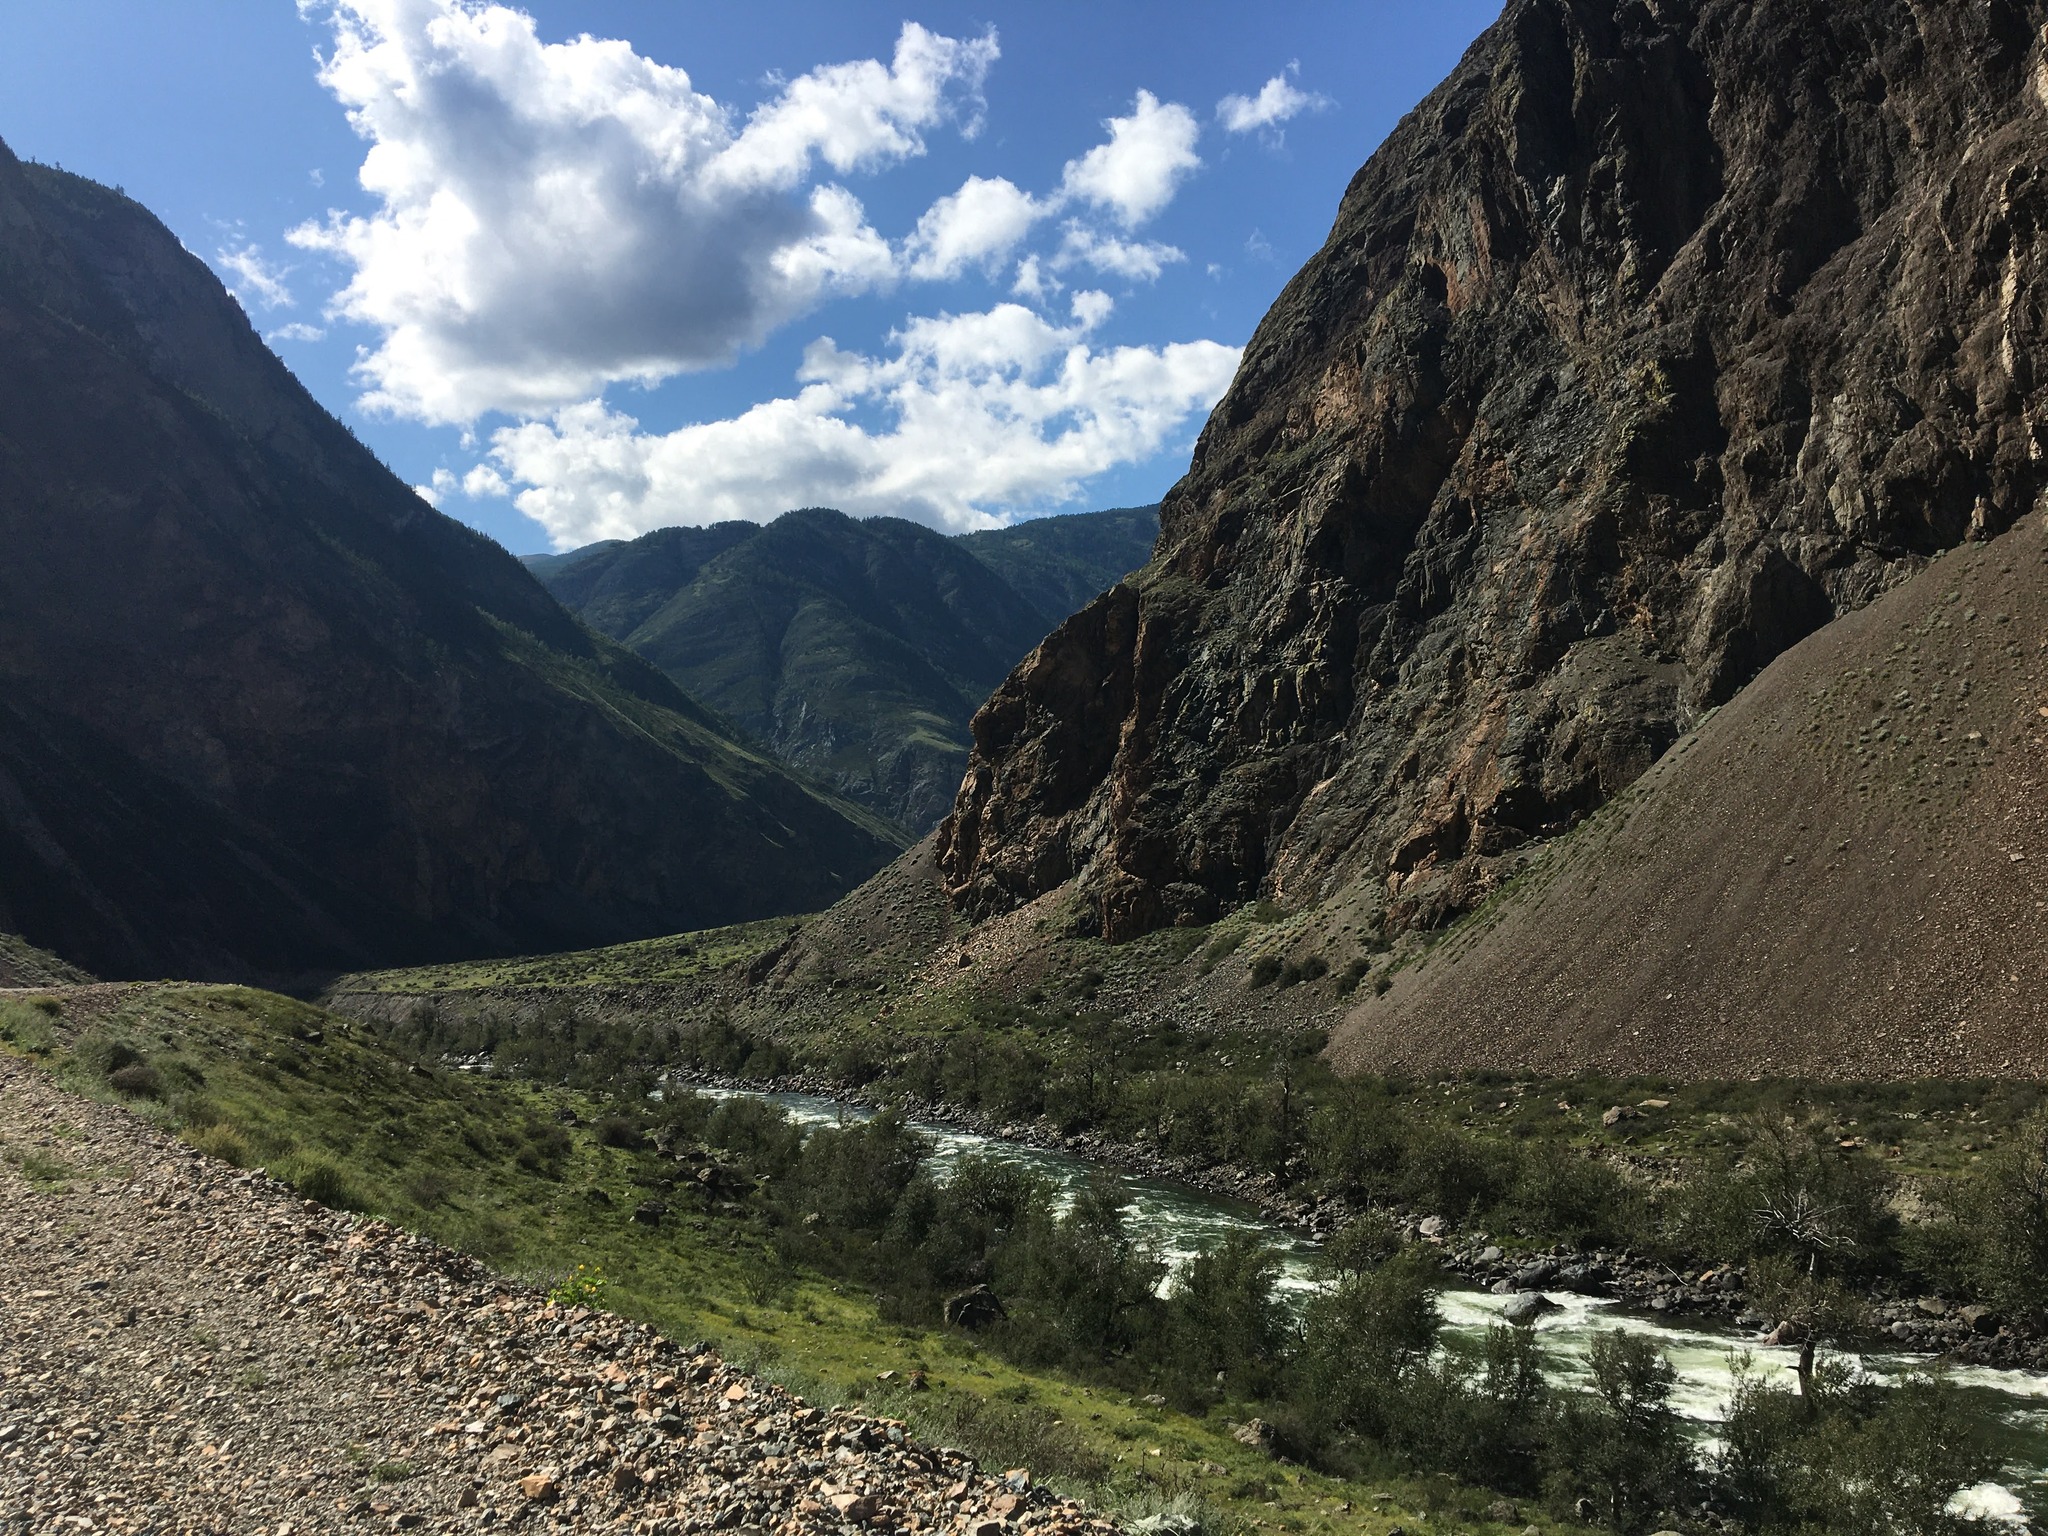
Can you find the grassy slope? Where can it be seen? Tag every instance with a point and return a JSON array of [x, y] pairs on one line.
[[489, 1166]]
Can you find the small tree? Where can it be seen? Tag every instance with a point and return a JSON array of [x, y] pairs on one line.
[[1621, 1445], [1222, 1319]]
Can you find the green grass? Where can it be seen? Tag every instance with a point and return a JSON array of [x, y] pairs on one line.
[[683, 957], [493, 1167]]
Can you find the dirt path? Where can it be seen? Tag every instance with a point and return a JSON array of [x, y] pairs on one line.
[[185, 1347]]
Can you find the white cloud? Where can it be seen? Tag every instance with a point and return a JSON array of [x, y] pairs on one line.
[[977, 226], [1278, 100], [255, 277], [1139, 259], [1137, 172], [554, 218], [985, 412], [483, 482], [1134, 174], [298, 330]]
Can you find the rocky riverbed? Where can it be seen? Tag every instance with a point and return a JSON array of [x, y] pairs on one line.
[[186, 1347]]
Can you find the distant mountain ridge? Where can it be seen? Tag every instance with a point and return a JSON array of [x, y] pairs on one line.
[[856, 649], [264, 712]]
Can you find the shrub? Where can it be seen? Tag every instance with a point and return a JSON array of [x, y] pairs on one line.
[[221, 1140], [1265, 970], [583, 1286], [1560, 1193], [317, 1179], [26, 1028], [619, 1132], [137, 1080], [1222, 1319], [2004, 1222], [1621, 1445], [1365, 1343], [1857, 1459]]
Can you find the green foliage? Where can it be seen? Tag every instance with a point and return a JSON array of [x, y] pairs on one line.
[[1223, 1324], [583, 1286], [1621, 1446], [317, 1178], [1856, 1459], [1998, 1224], [26, 1028]]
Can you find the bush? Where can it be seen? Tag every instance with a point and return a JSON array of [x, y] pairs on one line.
[[317, 1179], [621, 1133], [2003, 1220], [137, 1080], [1621, 1446], [26, 1028], [1223, 1320], [1560, 1193], [221, 1140], [1857, 1459], [1365, 1343], [1265, 970]]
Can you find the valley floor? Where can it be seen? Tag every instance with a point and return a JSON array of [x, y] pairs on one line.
[[189, 1347]]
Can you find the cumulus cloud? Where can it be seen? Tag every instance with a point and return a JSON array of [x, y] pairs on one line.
[[297, 330], [1133, 175], [555, 217], [977, 226], [1139, 259], [256, 279], [1278, 100], [984, 412], [1137, 172]]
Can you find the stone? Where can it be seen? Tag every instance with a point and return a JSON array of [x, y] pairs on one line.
[[1433, 1226], [1932, 1306], [978, 1307], [1491, 1254], [650, 1213], [1523, 1309], [539, 1488], [1982, 1319], [1619, 1113], [1256, 1433]]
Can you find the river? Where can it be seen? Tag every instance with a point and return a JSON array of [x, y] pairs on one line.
[[1180, 1222]]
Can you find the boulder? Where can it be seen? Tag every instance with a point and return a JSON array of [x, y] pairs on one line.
[[1523, 1309], [976, 1307]]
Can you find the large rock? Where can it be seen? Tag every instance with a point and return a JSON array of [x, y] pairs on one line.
[[1655, 338]]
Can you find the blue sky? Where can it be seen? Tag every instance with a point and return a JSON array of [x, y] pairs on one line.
[[583, 270]]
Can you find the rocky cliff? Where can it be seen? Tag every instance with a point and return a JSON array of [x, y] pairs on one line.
[[262, 710], [1659, 335]]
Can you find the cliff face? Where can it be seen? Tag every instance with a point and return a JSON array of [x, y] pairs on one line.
[[1659, 335], [262, 710]]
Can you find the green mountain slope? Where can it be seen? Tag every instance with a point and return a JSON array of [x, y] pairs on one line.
[[1060, 564], [267, 712], [855, 649]]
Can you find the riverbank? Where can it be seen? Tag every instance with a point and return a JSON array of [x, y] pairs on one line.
[[1957, 1331]]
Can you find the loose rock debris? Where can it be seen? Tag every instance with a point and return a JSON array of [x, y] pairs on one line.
[[185, 1347]]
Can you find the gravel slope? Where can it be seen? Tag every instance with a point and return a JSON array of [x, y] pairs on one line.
[[186, 1347], [1843, 873]]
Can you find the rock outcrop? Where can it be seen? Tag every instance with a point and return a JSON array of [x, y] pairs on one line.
[[263, 711], [1658, 336]]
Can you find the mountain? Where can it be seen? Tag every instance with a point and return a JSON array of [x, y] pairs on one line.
[[263, 711], [1838, 874], [1657, 337], [856, 649], [1060, 564]]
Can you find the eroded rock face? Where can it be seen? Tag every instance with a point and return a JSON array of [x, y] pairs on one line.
[[1658, 336]]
